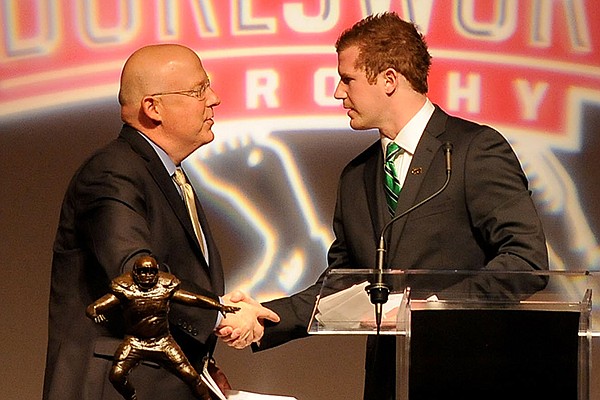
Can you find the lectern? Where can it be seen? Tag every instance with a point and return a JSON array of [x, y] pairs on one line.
[[473, 334]]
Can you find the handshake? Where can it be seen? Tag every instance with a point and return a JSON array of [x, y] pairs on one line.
[[246, 325]]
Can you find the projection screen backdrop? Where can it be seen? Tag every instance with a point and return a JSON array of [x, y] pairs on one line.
[[531, 69]]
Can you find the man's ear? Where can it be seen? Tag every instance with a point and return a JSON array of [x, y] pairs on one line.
[[391, 79], [151, 108]]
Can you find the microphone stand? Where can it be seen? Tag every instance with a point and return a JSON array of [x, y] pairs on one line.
[[379, 290]]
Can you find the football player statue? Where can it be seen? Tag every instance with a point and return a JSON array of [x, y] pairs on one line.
[[144, 295]]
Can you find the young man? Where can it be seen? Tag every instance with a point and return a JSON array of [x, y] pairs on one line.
[[483, 220]]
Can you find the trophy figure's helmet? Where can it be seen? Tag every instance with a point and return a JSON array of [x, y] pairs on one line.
[[145, 272]]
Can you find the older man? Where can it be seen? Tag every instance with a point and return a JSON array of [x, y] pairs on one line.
[[130, 199]]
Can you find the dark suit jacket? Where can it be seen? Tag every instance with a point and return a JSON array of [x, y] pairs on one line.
[[484, 219], [122, 203]]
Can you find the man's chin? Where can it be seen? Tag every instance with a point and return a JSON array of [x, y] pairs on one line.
[[206, 137], [357, 126]]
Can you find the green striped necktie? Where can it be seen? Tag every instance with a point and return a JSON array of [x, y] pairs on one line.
[[392, 183]]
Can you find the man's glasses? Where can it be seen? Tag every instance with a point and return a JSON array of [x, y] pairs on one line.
[[198, 93]]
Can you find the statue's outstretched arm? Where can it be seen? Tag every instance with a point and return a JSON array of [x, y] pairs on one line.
[[97, 309], [197, 300]]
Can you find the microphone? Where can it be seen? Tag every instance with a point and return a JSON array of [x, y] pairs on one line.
[[448, 152], [379, 291]]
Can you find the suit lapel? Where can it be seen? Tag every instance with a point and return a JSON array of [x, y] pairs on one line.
[[160, 175], [428, 146], [373, 172]]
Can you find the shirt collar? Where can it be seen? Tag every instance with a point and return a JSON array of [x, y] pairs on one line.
[[409, 136], [164, 157]]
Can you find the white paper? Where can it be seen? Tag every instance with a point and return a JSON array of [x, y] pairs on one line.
[[236, 394], [212, 385], [353, 305], [241, 395]]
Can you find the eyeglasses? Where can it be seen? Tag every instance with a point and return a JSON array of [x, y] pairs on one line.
[[197, 93]]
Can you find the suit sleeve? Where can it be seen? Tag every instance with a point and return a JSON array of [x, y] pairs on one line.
[[503, 216], [112, 220]]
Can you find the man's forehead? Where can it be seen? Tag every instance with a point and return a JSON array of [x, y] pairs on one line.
[[347, 59]]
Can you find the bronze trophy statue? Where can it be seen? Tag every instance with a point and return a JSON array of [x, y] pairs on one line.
[[144, 295]]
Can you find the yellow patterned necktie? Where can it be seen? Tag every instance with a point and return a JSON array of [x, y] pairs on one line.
[[190, 204]]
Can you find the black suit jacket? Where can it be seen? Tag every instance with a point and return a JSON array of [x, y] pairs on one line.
[[484, 219], [122, 203]]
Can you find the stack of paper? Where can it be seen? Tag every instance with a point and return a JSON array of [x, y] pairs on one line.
[[240, 395], [237, 394], [350, 308]]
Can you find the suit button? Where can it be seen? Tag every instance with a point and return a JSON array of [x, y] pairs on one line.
[[194, 332]]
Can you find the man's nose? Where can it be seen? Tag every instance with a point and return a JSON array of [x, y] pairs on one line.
[[340, 93], [213, 99]]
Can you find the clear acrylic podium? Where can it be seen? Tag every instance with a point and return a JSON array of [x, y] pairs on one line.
[[532, 329]]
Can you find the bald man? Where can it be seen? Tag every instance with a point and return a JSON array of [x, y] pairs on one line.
[[123, 202]]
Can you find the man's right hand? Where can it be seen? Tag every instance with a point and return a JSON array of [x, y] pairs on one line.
[[246, 326]]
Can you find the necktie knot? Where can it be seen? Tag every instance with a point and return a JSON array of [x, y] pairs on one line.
[[179, 177], [392, 151]]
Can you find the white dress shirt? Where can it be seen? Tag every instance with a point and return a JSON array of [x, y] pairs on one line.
[[408, 138]]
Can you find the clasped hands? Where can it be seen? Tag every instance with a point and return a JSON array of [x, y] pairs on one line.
[[246, 326]]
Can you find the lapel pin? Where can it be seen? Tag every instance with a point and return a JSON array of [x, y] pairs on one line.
[[416, 171]]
